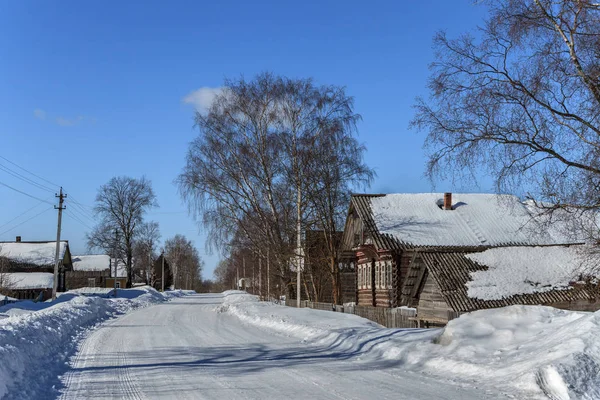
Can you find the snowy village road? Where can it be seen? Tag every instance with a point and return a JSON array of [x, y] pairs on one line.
[[183, 349]]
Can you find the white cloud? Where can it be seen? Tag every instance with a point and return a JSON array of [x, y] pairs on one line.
[[202, 98], [39, 114], [62, 121]]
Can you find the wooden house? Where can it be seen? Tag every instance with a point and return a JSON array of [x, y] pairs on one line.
[[401, 244], [89, 271], [35, 257]]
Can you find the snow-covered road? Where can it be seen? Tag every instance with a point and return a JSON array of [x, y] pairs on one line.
[[184, 349]]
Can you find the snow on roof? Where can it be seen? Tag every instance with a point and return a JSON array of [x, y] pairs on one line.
[[99, 262], [30, 280], [475, 220], [36, 253], [526, 270]]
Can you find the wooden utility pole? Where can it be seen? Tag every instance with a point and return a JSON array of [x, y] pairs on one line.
[[260, 293], [115, 252], [61, 199], [162, 255]]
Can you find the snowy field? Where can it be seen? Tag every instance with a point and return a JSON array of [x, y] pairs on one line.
[[222, 346]]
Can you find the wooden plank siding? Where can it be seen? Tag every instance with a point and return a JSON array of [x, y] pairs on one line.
[[431, 305]]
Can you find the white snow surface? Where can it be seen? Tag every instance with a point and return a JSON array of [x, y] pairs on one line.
[[42, 253], [525, 270], [36, 339], [230, 345], [98, 262], [30, 280], [525, 352], [476, 219]]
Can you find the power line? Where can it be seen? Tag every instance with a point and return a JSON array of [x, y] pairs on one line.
[[23, 213], [29, 172], [77, 212], [24, 222], [26, 194], [25, 179], [79, 206], [74, 217]]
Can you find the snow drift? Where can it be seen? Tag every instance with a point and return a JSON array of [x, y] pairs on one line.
[[36, 339], [528, 351]]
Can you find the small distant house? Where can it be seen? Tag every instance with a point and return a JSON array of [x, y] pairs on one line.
[[35, 257], [117, 274], [416, 250], [89, 271]]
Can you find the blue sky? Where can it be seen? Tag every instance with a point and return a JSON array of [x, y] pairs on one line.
[[90, 90]]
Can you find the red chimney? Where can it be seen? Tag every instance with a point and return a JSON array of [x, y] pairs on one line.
[[18, 239], [447, 201]]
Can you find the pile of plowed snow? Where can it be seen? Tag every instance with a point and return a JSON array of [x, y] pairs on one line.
[[36, 339], [532, 351]]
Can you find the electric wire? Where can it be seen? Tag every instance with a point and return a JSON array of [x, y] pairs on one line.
[[29, 172], [70, 214], [26, 194], [25, 179], [27, 220], [23, 213]]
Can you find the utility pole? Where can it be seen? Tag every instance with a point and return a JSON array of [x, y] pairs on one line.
[[244, 271], [260, 293], [61, 199], [116, 262], [268, 277], [162, 256]]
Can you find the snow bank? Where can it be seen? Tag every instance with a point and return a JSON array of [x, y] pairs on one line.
[[36, 339], [524, 270], [531, 351]]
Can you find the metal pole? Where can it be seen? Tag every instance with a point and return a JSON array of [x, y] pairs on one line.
[[60, 207]]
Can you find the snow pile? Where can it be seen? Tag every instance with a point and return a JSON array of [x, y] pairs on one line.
[[36, 339], [529, 351], [524, 270], [476, 219]]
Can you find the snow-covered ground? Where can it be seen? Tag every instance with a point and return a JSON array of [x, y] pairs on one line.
[[222, 346], [37, 339], [523, 351]]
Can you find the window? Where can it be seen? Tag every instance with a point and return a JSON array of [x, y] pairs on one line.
[[377, 268], [369, 276], [383, 274], [389, 274], [118, 285], [91, 282]]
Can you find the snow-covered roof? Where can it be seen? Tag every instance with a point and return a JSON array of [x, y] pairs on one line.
[[30, 280], [525, 270], [475, 220], [98, 262], [35, 253], [506, 276]]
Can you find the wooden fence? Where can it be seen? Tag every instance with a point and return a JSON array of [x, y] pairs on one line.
[[388, 317]]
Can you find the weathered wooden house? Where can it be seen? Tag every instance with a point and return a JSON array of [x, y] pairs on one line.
[[407, 249], [89, 271], [35, 257]]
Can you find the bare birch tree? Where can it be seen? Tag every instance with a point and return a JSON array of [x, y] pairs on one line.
[[521, 101], [248, 171]]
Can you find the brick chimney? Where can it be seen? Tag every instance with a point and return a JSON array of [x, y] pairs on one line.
[[18, 239], [447, 201]]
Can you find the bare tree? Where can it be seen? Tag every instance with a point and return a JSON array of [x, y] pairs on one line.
[[121, 204], [145, 249], [522, 99], [185, 262], [247, 174]]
